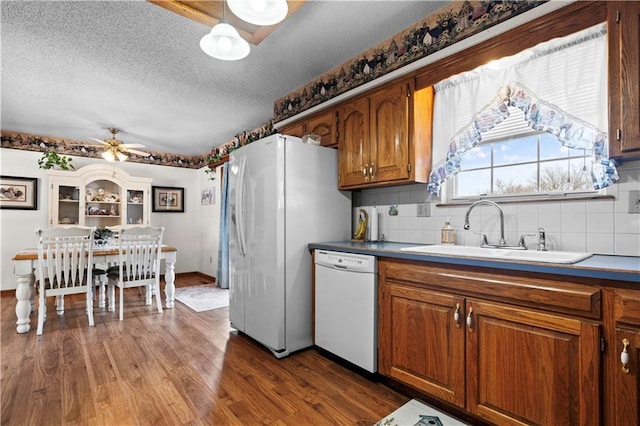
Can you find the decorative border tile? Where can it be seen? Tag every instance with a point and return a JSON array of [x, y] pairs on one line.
[[441, 29]]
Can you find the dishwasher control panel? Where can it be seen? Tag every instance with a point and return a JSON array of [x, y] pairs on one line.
[[346, 261]]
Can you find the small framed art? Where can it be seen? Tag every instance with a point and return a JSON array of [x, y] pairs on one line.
[[18, 193], [167, 199], [209, 195]]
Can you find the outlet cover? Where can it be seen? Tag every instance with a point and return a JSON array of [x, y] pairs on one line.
[[634, 201], [424, 209]]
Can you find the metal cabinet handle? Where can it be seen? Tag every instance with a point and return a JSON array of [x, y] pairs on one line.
[[456, 315], [371, 170], [624, 356], [364, 170], [470, 320]]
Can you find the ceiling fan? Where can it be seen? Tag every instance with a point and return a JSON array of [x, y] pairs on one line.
[[116, 149]]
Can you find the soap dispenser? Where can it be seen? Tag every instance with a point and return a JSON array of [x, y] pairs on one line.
[[448, 234]]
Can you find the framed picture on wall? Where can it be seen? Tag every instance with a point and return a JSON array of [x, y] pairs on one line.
[[18, 193], [166, 199], [209, 195]]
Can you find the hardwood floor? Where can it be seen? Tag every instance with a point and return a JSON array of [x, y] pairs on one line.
[[178, 368]]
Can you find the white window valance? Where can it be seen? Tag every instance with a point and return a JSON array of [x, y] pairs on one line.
[[560, 86]]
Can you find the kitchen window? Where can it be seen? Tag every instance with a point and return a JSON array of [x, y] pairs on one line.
[[529, 124], [533, 164]]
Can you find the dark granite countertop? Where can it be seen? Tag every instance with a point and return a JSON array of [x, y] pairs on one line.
[[609, 267]]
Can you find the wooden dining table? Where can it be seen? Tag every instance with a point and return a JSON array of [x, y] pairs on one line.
[[25, 261]]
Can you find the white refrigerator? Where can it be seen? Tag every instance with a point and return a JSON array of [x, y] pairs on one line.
[[283, 194]]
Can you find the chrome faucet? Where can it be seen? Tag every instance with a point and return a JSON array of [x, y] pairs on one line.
[[502, 241], [542, 240]]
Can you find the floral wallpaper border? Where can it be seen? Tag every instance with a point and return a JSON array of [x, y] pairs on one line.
[[27, 142], [441, 29]]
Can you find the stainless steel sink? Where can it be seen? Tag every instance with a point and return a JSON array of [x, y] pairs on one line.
[[498, 253]]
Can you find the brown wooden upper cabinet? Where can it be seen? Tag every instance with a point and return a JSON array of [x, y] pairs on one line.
[[623, 25], [385, 137], [323, 124], [293, 129]]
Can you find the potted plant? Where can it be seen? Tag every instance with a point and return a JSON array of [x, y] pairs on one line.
[[51, 158]]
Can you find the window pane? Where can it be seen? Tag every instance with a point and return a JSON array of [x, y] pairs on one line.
[[551, 148], [515, 151], [554, 175], [518, 179], [580, 152], [580, 175], [479, 156], [475, 182]]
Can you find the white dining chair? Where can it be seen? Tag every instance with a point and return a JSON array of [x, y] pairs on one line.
[[139, 250], [65, 259]]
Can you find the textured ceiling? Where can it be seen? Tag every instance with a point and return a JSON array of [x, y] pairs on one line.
[[72, 69]]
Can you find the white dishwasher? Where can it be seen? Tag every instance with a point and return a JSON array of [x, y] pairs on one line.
[[346, 306]]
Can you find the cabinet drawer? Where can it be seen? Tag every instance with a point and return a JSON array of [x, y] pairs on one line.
[[552, 293], [627, 306]]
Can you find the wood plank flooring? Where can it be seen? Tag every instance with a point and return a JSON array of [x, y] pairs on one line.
[[177, 368]]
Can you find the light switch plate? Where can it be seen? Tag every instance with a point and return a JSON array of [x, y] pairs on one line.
[[424, 209], [634, 201]]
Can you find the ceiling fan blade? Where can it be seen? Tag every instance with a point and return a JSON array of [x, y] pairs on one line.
[[98, 140], [136, 152], [133, 145]]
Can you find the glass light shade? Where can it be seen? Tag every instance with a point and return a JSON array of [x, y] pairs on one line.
[[122, 156], [259, 12], [108, 155], [224, 42]]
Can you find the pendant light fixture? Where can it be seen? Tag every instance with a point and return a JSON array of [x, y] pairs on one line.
[[260, 12], [224, 42]]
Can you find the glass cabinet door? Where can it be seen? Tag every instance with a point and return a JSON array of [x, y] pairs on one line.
[[68, 203], [136, 207]]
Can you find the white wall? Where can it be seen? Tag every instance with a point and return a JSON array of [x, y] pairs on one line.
[[193, 232], [600, 226], [210, 219]]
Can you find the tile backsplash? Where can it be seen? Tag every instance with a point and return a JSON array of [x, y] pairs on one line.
[[601, 226]]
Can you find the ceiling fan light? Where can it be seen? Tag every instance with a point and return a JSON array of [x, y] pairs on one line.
[[259, 12], [224, 42], [108, 155], [122, 156]]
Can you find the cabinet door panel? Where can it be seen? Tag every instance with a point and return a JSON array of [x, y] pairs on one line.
[[353, 157], [626, 314], [389, 133], [294, 129], [532, 368], [421, 343], [64, 208], [325, 126], [627, 381], [623, 25]]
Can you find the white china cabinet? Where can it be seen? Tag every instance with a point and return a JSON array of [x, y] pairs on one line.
[[98, 195]]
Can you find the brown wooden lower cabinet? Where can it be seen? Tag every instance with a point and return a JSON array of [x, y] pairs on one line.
[[420, 343], [529, 367], [490, 353], [624, 379]]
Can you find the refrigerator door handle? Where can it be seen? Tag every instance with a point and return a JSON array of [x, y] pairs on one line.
[[240, 206]]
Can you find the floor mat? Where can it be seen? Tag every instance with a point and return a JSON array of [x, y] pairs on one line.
[[416, 413], [203, 298]]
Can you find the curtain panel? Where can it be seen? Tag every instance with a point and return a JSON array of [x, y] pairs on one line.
[[560, 86]]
